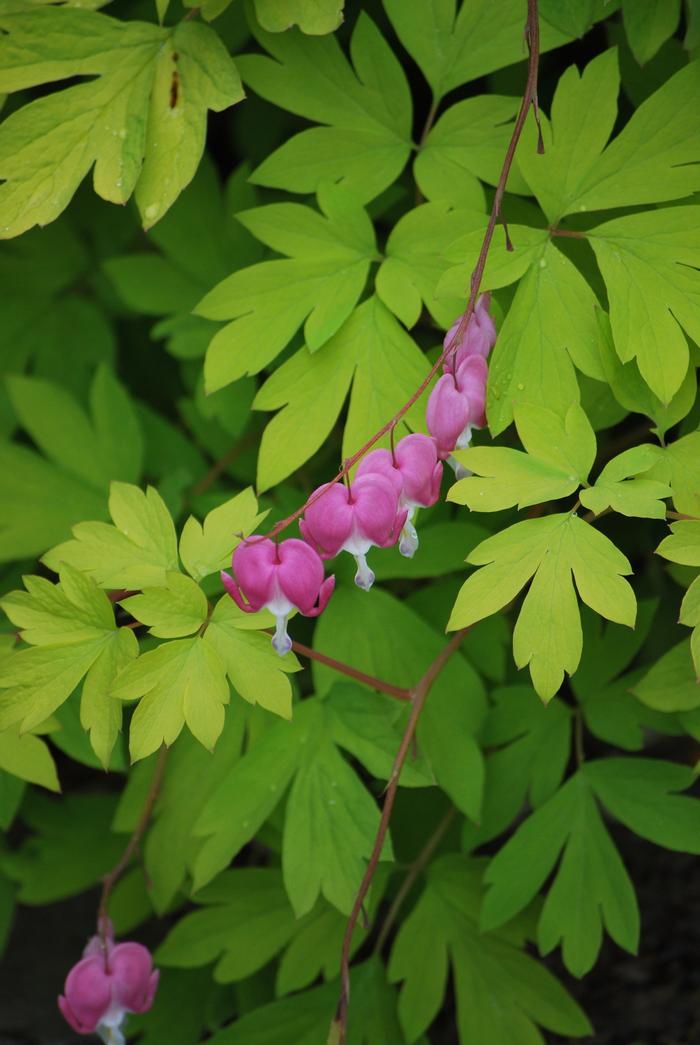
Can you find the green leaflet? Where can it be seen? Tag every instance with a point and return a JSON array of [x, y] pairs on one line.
[[43, 496], [547, 635], [318, 284], [647, 262], [141, 122], [683, 458], [560, 454], [366, 109], [254, 670], [69, 627], [28, 757], [178, 682], [466, 144], [502, 993], [683, 546], [648, 23], [652, 159], [244, 920], [591, 889], [136, 552], [182, 1011], [671, 684], [417, 256], [71, 849], [179, 608], [447, 728], [206, 548], [373, 355], [315, 17], [618, 487]]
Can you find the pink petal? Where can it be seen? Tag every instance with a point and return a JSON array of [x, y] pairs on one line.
[[472, 378], [133, 977], [380, 462], [235, 592], [375, 505], [448, 413], [328, 520], [299, 574], [416, 456], [324, 595], [254, 562], [87, 994]]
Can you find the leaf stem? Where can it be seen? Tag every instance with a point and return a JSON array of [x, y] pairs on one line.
[[347, 669], [419, 695], [111, 879], [414, 871]]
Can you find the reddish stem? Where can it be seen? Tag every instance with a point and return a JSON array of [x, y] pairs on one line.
[[346, 669]]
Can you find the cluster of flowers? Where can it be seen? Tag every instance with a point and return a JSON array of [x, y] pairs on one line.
[[376, 509]]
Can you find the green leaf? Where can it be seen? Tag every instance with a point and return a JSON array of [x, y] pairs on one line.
[[255, 670], [68, 627], [614, 488], [453, 48], [560, 453], [415, 259], [329, 830], [647, 263], [371, 354], [572, 17], [671, 684], [318, 284], [28, 758], [140, 121], [466, 144], [591, 889], [367, 110], [69, 851], [547, 635], [136, 552], [248, 794], [443, 548], [182, 1010], [683, 543], [648, 23], [654, 158], [244, 921], [315, 17], [180, 608], [502, 993], [43, 498], [206, 548], [178, 682], [640, 792], [683, 457], [100, 715], [683, 546]]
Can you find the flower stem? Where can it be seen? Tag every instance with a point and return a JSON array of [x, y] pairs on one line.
[[346, 669]]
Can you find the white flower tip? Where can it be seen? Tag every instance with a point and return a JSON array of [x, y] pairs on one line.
[[364, 578], [408, 545], [460, 471], [281, 641]]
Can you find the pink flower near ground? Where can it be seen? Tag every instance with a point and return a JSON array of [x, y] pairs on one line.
[[279, 578], [354, 519], [110, 981]]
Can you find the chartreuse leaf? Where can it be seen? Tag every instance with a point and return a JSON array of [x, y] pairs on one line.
[[100, 715], [591, 889], [180, 608], [373, 355], [318, 284], [547, 635], [618, 486], [367, 110], [140, 121], [671, 684], [683, 458], [648, 23], [560, 453], [192, 774], [452, 48], [466, 144], [315, 17], [503, 995], [43, 496], [415, 259], [137, 551], [255, 671], [69, 850], [683, 546], [529, 751], [447, 727], [178, 682], [206, 547], [247, 795], [27, 757], [69, 626], [654, 158], [329, 829], [243, 921], [648, 263]]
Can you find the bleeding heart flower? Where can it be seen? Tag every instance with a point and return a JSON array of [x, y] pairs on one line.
[[478, 339], [110, 981], [415, 472], [354, 519], [279, 578], [456, 405]]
